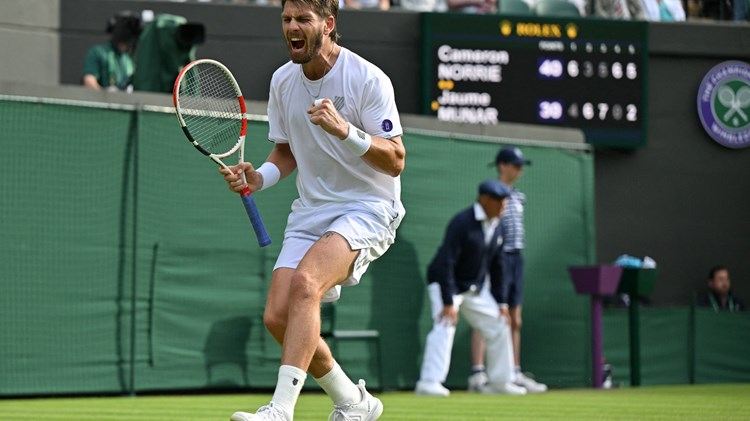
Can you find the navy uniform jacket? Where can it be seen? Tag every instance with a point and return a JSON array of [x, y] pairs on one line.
[[463, 259]]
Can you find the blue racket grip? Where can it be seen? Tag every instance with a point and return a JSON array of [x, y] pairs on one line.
[[252, 212]]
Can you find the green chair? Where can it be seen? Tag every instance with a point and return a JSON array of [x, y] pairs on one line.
[[513, 7], [556, 8]]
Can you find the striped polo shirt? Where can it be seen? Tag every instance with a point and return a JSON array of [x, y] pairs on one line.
[[514, 236]]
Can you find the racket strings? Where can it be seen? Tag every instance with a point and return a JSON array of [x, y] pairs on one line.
[[210, 108]]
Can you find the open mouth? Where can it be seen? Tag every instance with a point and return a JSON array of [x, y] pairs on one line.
[[297, 43]]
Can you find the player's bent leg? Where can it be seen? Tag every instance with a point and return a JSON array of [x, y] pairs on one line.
[[322, 361], [277, 303], [297, 331], [326, 264], [303, 324], [275, 320]]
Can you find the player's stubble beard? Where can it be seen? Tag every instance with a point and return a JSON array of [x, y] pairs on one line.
[[312, 46]]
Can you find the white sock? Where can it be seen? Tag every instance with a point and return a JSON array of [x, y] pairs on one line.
[[339, 387], [288, 388]]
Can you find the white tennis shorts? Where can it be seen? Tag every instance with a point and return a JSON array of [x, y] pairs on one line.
[[369, 228]]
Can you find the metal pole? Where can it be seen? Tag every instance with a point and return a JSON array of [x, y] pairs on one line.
[[596, 341], [134, 265], [635, 342]]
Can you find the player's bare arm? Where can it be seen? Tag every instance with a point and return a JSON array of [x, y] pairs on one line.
[[384, 155], [281, 156]]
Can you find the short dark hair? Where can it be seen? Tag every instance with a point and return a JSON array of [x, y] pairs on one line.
[[713, 270], [323, 8]]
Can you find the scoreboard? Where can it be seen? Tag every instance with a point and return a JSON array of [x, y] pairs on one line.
[[583, 73]]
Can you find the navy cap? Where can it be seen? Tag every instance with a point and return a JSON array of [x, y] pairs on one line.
[[494, 188], [511, 155]]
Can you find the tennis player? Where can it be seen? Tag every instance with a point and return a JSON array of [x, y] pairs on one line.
[[333, 117]]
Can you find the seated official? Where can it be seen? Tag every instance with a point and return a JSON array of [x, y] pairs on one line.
[[719, 295]]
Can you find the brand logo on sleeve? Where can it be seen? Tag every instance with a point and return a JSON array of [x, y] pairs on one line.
[[724, 104], [386, 125]]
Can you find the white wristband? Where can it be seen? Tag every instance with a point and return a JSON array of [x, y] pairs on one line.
[[357, 140], [270, 173]]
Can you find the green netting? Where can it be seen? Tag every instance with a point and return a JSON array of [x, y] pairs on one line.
[[207, 277], [61, 247], [664, 345], [680, 345], [721, 346], [127, 265]]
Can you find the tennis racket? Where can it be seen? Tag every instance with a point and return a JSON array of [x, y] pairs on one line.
[[211, 111]]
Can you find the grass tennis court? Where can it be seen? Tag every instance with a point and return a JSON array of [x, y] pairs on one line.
[[704, 402]]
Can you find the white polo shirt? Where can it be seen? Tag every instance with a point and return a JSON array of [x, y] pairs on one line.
[[327, 171]]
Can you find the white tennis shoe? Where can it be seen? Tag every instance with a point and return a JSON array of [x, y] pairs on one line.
[[368, 409], [503, 388], [477, 381], [531, 385], [266, 413], [428, 388]]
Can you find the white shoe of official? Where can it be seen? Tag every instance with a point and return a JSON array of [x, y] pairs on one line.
[[531, 385], [503, 388], [477, 381], [431, 389], [368, 409], [265, 413]]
